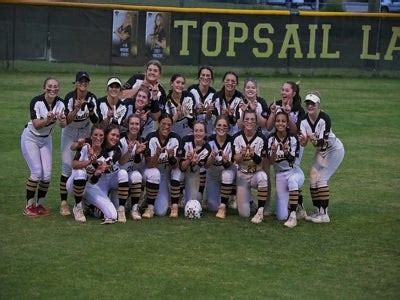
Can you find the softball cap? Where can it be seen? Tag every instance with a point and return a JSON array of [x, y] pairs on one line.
[[81, 75], [114, 80], [313, 98]]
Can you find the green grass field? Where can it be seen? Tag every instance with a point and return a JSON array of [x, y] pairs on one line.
[[356, 256]]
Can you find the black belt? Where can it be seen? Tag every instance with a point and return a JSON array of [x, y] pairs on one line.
[[42, 136]]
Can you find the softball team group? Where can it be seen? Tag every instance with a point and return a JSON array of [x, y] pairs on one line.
[[141, 149]]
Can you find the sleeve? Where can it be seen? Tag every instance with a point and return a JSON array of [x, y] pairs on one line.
[[130, 83], [34, 109]]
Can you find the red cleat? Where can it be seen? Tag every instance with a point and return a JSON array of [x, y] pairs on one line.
[[31, 211], [42, 211]]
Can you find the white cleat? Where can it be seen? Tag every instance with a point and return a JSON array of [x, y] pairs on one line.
[[136, 215], [258, 217], [291, 221], [78, 213], [121, 214], [321, 218], [301, 213]]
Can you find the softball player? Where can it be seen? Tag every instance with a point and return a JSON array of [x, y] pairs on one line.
[[180, 106], [329, 152], [252, 101], [203, 94], [283, 152], [194, 152], [133, 149], [107, 177], [291, 104], [36, 145], [151, 80], [142, 106], [81, 112], [84, 164], [164, 145], [228, 99], [249, 149], [111, 109], [220, 170]]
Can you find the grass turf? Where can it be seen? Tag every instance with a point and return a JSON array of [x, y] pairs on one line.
[[354, 256]]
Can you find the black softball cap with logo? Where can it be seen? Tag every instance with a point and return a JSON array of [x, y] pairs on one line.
[[80, 75]]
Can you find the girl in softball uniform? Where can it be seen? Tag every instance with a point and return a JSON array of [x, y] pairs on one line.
[[36, 145], [144, 107], [329, 152], [249, 149], [252, 101], [291, 104], [180, 106], [164, 145], [194, 152], [84, 165], [220, 170], [81, 112], [203, 94], [111, 109], [133, 148], [228, 99], [151, 80], [283, 152], [107, 178]]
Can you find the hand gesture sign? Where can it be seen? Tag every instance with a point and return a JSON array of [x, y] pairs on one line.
[[140, 147], [273, 107]]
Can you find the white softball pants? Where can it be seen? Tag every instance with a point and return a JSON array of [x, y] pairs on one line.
[[162, 201]]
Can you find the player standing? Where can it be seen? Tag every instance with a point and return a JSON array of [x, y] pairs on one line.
[[81, 112], [36, 145], [329, 152]]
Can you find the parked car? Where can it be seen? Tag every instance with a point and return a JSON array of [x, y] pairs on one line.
[[292, 3], [390, 5]]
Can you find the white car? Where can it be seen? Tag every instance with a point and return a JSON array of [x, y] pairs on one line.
[[390, 5]]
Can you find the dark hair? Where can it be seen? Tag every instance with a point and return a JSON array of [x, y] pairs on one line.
[[95, 127], [250, 80], [231, 73], [145, 89], [223, 117], [154, 62], [164, 116], [108, 129], [297, 98], [249, 111], [141, 123], [281, 112], [209, 68], [175, 76]]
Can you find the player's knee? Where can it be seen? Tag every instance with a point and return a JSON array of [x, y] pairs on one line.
[[80, 174], [227, 177], [122, 176], [262, 179], [135, 177], [152, 175], [176, 174]]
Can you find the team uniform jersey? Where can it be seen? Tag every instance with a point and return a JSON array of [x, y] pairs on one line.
[[172, 142], [226, 149], [149, 125], [321, 129], [39, 110], [249, 164], [188, 145], [205, 100], [296, 114], [120, 110], [136, 81], [184, 125], [221, 103], [136, 162], [283, 163], [82, 119]]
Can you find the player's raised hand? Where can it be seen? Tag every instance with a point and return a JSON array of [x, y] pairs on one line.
[[140, 147], [303, 139], [251, 150], [287, 108], [159, 150], [274, 107]]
